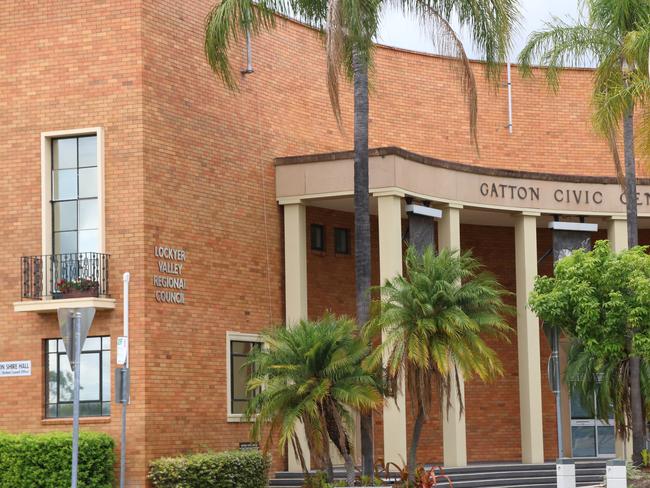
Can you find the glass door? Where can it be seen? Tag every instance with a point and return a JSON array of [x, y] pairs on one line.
[[590, 437]]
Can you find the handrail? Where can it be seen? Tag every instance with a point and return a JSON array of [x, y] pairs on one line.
[[53, 276]]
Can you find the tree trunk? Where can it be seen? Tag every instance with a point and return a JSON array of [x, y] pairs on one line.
[[630, 179], [638, 426], [413, 448], [327, 459], [362, 230]]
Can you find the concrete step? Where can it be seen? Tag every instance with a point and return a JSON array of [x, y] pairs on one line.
[[589, 472]]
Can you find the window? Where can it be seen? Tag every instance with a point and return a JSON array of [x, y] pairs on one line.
[[95, 371], [74, 195], [341, 241], [317, 237], [239, 346]]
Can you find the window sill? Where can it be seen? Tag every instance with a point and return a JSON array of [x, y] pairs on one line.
[[82, 420], [234, 418], [51, 306]]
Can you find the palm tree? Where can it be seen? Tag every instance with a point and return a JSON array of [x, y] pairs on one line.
[[604, 378], [312, 373], [350, 27], [434, 322], [616, 36]]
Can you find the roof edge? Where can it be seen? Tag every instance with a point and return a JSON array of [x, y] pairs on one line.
[[452, 165]]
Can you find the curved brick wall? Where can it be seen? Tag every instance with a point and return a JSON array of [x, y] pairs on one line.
[[190, 165]]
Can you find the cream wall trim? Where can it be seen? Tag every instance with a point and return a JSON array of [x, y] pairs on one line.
[[46, 184], [387, 192], [390, 265], [295, 275], [235, 336], [47, 306], [321, 179], [454, 437], [528, 349], [617, 233], [290, 201]]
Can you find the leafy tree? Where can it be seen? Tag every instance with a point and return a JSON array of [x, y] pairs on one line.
[[312, 373], [602, 299], [605, 378], [434, 321], [616, 36], [350, 27]]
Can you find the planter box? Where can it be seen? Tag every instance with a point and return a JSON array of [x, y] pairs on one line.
[[91, 292]]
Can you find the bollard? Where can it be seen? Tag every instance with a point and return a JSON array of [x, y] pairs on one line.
[[565, 469], [616, 473]]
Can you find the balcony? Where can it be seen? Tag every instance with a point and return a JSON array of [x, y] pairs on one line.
[[56, 281]]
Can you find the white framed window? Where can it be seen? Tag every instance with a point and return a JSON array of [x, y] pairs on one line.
[[95, 396], [72, 191], [238, 347]]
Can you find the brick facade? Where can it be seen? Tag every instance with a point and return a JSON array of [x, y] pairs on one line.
[[190, 165]]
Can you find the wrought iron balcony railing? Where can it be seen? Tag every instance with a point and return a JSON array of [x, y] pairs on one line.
[[55, 276]]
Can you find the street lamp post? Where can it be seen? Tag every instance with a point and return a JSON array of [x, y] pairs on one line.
[[74, 324]]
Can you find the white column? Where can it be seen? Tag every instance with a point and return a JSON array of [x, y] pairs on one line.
[[454, 437], [389, 206], [295, 262], [617, 237], [295, 275], [617, 232], [530, 379]]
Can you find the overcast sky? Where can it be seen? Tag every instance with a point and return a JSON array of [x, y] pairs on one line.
[[399, 31]]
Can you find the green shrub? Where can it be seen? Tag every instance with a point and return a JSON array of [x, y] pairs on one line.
[[45, 460], [230, 469]]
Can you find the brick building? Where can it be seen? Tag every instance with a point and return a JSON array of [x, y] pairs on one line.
[[118, 141]]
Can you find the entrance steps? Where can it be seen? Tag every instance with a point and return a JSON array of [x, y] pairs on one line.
[[589, 472]]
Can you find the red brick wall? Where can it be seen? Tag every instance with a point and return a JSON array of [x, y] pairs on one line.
[[190, 165], [67, 65]]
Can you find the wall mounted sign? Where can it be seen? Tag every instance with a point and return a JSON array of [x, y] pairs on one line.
[[16, 368], [170, 283], [445, 181], [248, 446]]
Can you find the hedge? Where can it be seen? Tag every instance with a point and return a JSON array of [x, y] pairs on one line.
[[229, 469], [45, 460]]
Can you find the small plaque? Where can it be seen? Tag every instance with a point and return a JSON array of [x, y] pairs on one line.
[[248, 446], [122, 349], [16, 368]]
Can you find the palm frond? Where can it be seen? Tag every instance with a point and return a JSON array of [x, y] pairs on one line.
[[433, 321], [561, 45], [335, 49], [304, 370], [447, 43]]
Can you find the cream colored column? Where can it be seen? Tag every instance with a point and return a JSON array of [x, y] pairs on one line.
[[617, 232], [617, 236], [530, 378], [389, 207], [454, 437], [624, 448], [295, 275]]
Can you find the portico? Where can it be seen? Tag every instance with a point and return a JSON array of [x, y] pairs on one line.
[[468, 196]]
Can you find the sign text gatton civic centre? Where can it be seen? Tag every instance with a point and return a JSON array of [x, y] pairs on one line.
[[565, 195]]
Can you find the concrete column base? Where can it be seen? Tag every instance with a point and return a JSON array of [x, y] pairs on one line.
[[566, 473], [616, 473]]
